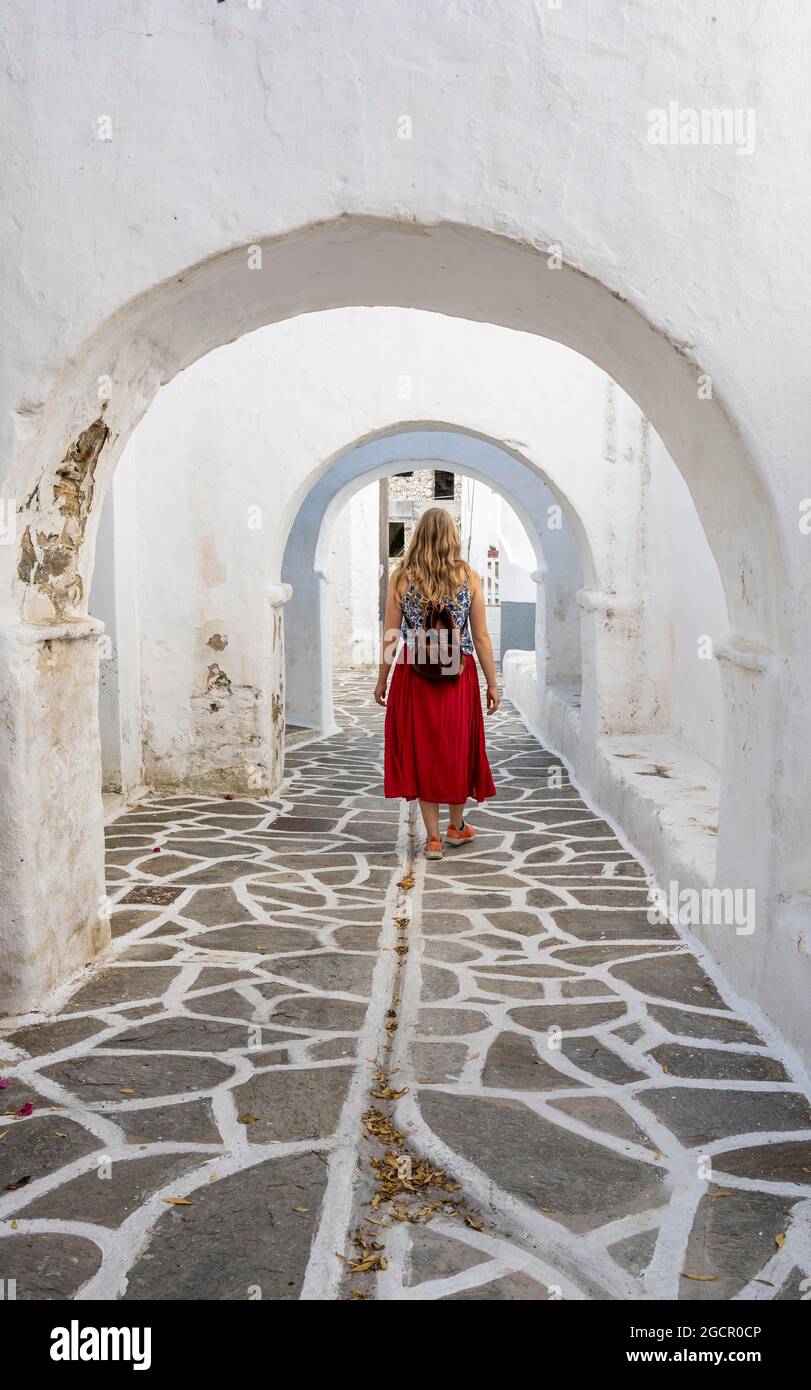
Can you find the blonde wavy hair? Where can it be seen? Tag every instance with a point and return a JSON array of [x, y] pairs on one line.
[[433, 561]]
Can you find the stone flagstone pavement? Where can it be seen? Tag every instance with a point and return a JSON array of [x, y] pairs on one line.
[[314, 1066]]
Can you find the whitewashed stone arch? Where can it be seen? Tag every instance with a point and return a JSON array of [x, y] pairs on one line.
[[64, 461], [365, 261], [307, 644]]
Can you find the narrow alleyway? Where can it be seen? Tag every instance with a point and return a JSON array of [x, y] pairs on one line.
[[315, 1066]]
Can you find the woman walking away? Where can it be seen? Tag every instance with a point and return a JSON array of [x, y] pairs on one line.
[[435, 749]]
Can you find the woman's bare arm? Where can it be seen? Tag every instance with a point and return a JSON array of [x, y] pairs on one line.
[[389, 639], [482, 642]]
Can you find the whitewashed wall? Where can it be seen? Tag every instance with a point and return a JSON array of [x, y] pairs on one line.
[[354, 579], [487, 519], [688, 599]]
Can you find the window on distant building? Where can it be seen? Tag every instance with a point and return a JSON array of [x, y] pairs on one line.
[[443, 485], [396, 539]]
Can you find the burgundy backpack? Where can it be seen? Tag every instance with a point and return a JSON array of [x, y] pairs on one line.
[[437, 653]]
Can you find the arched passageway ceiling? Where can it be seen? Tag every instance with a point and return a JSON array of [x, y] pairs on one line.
[[455, 270], [514, 478]]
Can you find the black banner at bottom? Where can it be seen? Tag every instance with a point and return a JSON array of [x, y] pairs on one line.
[[606, 1337]]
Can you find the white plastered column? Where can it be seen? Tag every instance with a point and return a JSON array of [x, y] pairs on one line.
[[309, 672], [55, 916], [615, 699], [752, 705], [278, 596], [538, 578]]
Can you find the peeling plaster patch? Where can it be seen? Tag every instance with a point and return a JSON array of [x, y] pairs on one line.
[[217, 642], [217, 679], [49, 560], [225, 751], [277, 708]]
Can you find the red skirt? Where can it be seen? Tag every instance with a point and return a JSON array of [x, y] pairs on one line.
[[434, 747]]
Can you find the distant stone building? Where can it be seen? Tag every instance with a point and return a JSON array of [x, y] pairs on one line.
[[407, 496]]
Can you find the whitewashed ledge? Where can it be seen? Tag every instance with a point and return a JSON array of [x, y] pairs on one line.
[[659, 795]]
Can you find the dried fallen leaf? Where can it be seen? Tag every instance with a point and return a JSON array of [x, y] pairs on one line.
[[178, 1201], [355, 1295], [246, 1119], [381, 1127], [473, 1055], [21, 1182], [702, 1278], [363, 1266], [301, 1209], [126, 1091], [473, 1223], [722, 1192], [780, 1241], [3, 1135], [369, 1262], [407, 882]]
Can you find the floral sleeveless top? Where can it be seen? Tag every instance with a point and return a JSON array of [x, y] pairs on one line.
[[459, 606]]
